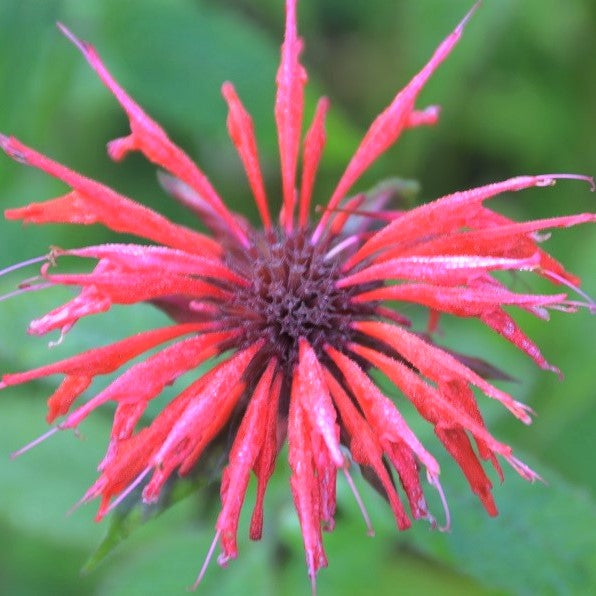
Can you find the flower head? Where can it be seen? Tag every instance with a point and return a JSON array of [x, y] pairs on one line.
[[296, 311]]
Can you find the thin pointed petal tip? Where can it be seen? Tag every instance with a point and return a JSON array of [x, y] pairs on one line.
[[469, 15], [80, 44], [550, 179]]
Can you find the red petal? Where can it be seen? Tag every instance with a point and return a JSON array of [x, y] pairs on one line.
[[246, 447], [458, 445], [146, 379], [509, 240], [303, 483], [381, 413], [92, 202], [387, 127], [289, 104], [147, 136], [437, 364], [265, 462], [428, 401], [60, 401], [314, 142], [315, 399], [100, 361], [204, 416], [242, 133], [443, 215], [365, 447]]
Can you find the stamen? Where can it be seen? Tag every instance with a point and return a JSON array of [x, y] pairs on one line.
[[35, 442], [91, 493], [206, 562], [571, 286], [549, 179], [387, 216], [571, 306], [131, 487], [341, 246], [434, 481], [523, 470], [369, 529], [25, 290], [24, 264], [63, 331]]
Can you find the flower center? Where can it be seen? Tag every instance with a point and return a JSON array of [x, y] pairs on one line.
[[292, 294]]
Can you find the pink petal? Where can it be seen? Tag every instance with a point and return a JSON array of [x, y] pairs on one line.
[[137, 257], [446, 269]]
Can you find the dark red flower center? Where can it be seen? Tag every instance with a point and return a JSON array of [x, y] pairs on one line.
[[292, 294]]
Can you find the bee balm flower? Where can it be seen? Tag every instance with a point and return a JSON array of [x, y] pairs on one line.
[[296, 310]]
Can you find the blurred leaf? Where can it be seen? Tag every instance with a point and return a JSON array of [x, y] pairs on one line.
[[541, 543], [40, 486], [33, 563]]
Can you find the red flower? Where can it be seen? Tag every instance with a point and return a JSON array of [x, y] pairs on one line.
[[298, 307]]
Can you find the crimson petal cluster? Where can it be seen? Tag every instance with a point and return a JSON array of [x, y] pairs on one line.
[[297, 312]]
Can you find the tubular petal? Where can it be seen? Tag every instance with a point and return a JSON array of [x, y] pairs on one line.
[[242, 133], [365, 446], [314, 143], [387, 127], [145, 380], [243, 454], [289, 104], [314, 397], [304, 485], [380, 411], [437, 364], [147, 136], [442, 215], [265, 461], [92, 202]]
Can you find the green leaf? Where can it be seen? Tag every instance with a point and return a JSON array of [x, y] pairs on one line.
[[541, 543], [39, 487]]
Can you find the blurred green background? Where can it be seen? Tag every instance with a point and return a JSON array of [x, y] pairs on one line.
[[518, 96]]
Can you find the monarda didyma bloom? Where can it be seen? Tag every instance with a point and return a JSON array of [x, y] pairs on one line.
[[296, 310]]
